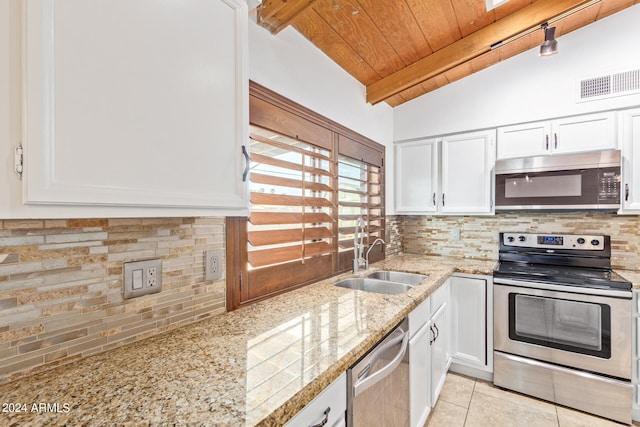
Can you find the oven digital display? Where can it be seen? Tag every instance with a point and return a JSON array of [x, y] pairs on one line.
[[550, 240]]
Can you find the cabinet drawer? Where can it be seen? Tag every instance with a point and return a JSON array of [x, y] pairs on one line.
[[419, 316], [439, 296], [333, 397]]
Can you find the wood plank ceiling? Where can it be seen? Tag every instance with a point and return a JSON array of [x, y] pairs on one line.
[[401, 49]]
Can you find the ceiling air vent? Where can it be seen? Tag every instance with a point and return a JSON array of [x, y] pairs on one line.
[[609, 85]]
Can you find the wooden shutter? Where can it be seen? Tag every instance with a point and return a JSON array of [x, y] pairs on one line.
[[292, 211], [360, 194]]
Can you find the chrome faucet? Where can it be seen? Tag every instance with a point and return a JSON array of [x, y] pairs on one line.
[[366, 258], [358, 247]]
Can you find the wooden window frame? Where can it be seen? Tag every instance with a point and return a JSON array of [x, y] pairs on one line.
[[274, 112]]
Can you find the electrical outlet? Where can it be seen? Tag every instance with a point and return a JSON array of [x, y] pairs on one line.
[[151, 277], [213, 264], [455, 234], [142, 278]]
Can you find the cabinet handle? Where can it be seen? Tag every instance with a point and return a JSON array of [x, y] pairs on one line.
[[555, 140], [437, 331], [433, 334], [434, 199], [547, 144], [325, 419], [442, 199], [626, 192], [247, 164]]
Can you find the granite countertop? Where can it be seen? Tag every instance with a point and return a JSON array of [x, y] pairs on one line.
[[257, 365], [631, 276]]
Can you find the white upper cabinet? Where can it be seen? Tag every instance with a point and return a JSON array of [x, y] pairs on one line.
[[588, 132], [135, 103], [452, 175], [416, 176], [467, 163], [630, 124]]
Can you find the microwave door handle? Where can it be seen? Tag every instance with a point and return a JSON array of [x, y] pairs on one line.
[[379, 375]]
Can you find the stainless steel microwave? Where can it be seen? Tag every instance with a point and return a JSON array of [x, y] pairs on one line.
[[565, 181]]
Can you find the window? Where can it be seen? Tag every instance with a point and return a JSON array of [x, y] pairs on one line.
[[310, 180]]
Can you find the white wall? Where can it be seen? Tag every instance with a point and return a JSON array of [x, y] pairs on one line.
[[528, 87], [292, 66]]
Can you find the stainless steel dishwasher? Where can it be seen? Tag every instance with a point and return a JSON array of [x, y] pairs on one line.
[[378, 384]]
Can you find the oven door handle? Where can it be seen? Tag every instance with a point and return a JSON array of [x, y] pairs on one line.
[[564, 288], [370, 380]]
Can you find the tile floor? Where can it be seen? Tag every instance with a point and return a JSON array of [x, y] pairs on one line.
[[469, 402]]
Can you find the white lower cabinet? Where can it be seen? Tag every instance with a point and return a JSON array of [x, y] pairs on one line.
[[635, 328], [439, 359], [472, 324], [440, 330], [420, 364], [331, 405]]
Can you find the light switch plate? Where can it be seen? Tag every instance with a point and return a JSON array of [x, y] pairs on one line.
[[142, 278]]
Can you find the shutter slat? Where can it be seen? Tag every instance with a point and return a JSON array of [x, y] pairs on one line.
[[264, 257], [259, 178], [284, 200], [287, 147], [266, 218], [273, 237], [266, 160]]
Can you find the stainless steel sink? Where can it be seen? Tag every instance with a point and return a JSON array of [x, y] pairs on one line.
[[398, 276], [374, 285]]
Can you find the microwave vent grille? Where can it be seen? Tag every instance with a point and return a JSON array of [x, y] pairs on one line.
[[608, 86]]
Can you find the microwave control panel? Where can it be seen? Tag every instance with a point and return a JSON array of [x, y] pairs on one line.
[[609, 185]]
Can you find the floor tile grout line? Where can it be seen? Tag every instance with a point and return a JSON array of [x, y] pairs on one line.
[[466, 415]]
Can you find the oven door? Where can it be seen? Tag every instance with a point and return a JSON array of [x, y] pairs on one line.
[[569, 328]]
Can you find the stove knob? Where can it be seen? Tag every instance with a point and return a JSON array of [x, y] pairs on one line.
[[595, 242], [511, 238], [580, 241], [522, 238]]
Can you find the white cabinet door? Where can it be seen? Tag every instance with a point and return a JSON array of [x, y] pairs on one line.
[[419, 376], [630, 162], [467, 163], [589, 132], [416, 172], [469, 321], [529, 139], [328, 408], [439, 358], [136, 103]]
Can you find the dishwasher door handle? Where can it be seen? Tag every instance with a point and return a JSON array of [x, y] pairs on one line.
[[371, 380]]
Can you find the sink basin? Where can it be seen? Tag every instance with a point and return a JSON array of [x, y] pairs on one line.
[[374, 285], [399, 277]]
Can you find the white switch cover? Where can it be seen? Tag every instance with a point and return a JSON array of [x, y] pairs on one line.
[[137, 279], [142, 278]]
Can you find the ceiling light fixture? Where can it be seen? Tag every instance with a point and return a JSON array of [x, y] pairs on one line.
[[550, 44]]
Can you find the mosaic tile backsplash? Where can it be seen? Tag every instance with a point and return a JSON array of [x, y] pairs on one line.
[[61, 285], [479, 234]]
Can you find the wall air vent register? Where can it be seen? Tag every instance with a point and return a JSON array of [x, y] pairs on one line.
[[609, 85]]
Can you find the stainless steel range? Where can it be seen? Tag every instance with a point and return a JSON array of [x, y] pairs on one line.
[[562, 322]]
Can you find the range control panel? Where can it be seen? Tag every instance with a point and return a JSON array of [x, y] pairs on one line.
[[554, 241]]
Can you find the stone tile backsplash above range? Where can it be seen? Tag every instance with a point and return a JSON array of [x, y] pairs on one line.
[[61, 285], [479, 234]]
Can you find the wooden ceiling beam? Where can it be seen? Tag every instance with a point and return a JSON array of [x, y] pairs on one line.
[[275, 15], [469, 47]]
